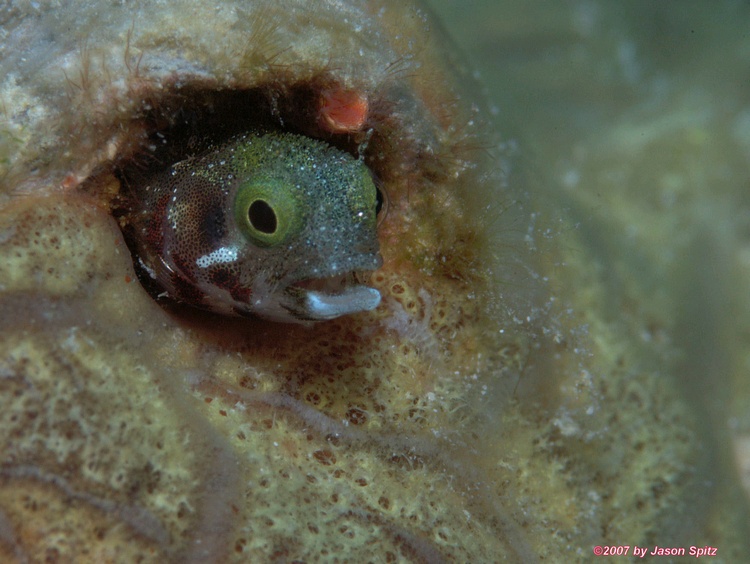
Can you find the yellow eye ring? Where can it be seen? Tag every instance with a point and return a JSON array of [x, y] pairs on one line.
[[267, 211]]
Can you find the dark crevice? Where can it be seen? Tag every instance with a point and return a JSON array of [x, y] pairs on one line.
[[188, 121]]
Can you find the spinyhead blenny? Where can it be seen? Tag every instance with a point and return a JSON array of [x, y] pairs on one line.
[[276, 225]]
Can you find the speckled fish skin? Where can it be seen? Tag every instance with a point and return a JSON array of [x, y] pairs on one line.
[[193, 235]]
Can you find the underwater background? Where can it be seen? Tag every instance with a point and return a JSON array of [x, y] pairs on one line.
[[634, 126]]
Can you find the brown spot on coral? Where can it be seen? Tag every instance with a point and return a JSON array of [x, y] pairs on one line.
[[356, 416], [325, 457]]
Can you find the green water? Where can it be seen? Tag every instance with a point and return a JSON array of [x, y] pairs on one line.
[[633, 121]]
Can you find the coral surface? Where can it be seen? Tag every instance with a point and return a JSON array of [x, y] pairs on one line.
[[474, 416]]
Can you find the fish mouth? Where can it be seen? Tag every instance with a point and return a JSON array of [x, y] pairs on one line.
[[320, 299]]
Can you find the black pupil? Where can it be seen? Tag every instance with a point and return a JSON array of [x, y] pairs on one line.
[[262, 217], [378, 201]]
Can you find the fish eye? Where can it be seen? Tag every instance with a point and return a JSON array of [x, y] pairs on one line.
[[262, 217], [378, 200], [381, 203], [267, 211]]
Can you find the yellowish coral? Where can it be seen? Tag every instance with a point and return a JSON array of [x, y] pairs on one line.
[[474, 416]]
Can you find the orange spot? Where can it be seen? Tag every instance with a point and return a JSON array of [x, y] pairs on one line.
[[342, 111], [128, 279], [70, 181]]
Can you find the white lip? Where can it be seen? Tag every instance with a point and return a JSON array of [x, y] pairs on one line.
[[328, 298], [352, 300]]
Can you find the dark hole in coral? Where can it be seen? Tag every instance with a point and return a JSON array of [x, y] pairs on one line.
[[182, 122], [262, 217], [187, 121]]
